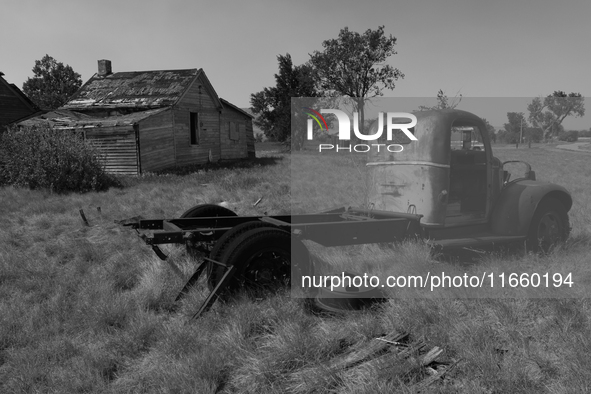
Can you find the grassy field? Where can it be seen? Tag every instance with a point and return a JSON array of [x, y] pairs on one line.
[[89, 308]]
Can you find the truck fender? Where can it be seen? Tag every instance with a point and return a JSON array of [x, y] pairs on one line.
[[515, 206]]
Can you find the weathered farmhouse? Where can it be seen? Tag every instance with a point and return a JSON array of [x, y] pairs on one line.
[[14, 105], [147, 121]]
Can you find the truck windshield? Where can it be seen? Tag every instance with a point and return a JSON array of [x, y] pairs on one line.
[[466, 138]]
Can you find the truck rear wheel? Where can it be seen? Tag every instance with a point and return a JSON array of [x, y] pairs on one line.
[[204, 211], [263, 257], [549, 226], [207, 210]]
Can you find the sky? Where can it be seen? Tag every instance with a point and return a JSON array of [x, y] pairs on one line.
[[478, 48]]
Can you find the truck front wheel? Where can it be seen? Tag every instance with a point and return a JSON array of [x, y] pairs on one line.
[[549, 226], [215, 272]]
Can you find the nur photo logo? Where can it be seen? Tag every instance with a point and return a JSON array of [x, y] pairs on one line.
[[393, 121]]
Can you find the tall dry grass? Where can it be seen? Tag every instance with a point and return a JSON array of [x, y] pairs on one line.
[[89, 309]]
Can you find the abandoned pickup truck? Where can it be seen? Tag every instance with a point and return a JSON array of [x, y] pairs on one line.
[[465, 195], [453, 194]]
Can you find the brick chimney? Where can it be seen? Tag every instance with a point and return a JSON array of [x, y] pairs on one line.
[[104, 68]]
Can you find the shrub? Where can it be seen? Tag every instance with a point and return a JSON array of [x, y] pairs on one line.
[[535, 134], [569, 136], [59, 160], [507, 137]]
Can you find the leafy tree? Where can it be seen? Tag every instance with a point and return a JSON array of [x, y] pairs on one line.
[[52, 83], [513, 129], [569, 136], [490, 130], [353, 65], [549, 113], [533, 134], [273, 104], [443, 102]]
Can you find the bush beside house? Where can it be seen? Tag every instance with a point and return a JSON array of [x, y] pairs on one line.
[[58, 160]]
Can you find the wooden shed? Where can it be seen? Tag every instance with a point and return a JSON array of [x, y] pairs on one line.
[[145, 121]]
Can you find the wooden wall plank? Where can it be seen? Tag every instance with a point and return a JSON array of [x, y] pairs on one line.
[[118, 150], [156, 142]]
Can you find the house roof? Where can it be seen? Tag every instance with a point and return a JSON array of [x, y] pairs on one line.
[[18, 93], [229, 104], [24, 98], [71, 119], [14, 104], [136, 89]]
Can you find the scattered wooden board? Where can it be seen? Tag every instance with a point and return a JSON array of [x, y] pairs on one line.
[[393, 354]]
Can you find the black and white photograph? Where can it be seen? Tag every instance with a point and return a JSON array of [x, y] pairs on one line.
[[295, 197]]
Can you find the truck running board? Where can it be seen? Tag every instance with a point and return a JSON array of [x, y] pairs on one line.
[[478, 241]]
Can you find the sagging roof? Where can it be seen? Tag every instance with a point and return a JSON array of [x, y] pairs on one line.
[[71, 119], [133, 89]]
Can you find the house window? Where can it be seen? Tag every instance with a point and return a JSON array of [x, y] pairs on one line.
[[194, 128], [234, 132]]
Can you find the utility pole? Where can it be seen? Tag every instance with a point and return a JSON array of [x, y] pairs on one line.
[[521, 129], [529, 139], [520, 139]]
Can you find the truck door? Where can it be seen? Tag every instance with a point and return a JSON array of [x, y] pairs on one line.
[[468, 177]]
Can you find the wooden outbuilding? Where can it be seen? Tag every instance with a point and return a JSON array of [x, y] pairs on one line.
[[14, 105], [145, 121]]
